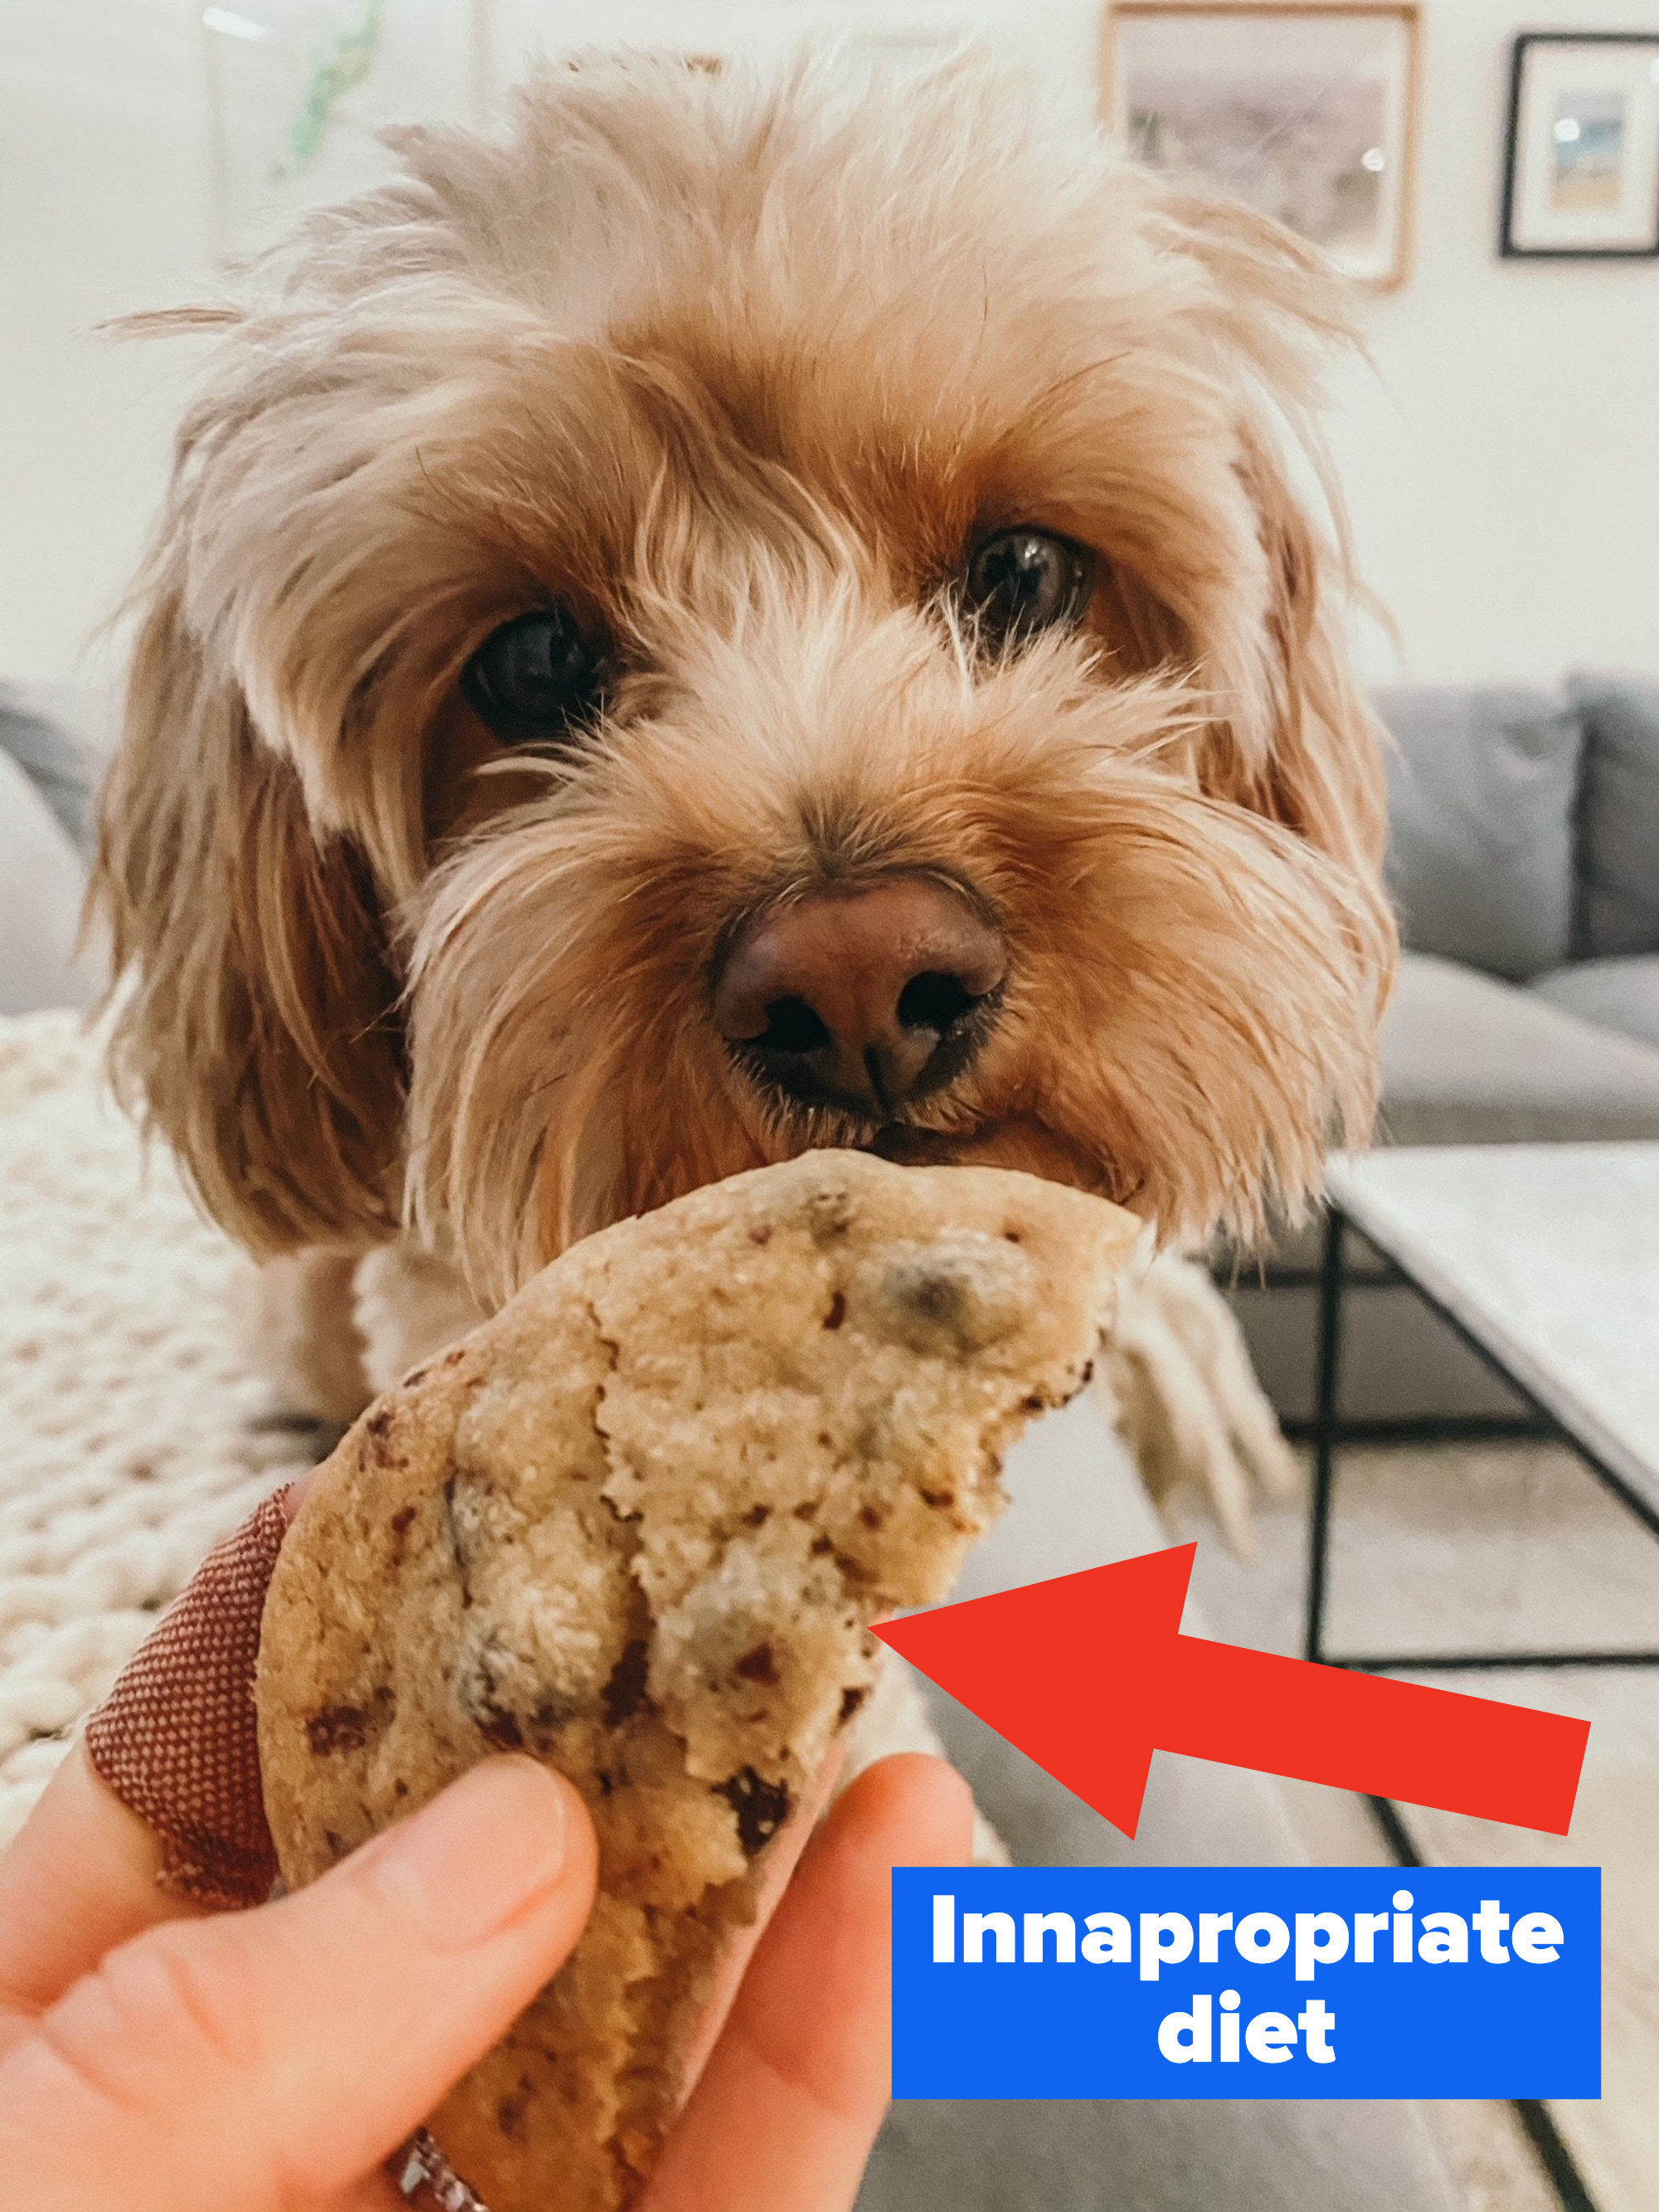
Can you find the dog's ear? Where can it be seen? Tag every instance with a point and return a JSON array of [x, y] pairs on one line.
[[255, 1001], [1308, 751], [1319, 765]]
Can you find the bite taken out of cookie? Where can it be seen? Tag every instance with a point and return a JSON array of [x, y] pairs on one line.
[[638, 1525]]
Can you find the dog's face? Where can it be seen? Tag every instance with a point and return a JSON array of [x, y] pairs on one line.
[[753, 615]]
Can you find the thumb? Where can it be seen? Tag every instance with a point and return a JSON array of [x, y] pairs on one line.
[[273, 2058]]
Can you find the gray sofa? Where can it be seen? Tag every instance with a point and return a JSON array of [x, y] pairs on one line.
[[1524, 864], [54, 740]]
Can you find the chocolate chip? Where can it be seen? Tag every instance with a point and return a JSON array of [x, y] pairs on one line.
[[348, 1727], [759, 1666], [949, 1298], [1032, 1404], [851, 1699], [939, 1498], [476, 1692], [837, 1312], [378, 1429], [870, 1516], [757, 1516], [624, 1693], [339, 1727], [498, 1729], [760, 1235], [761, 1807], [457, 1542], [936, 1297], [509, 2113]]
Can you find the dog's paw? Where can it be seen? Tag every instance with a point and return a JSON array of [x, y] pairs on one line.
[[293, 1317], [407, 1306], [1176, 1380]]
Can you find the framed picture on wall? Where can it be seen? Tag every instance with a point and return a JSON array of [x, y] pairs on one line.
[[1305, 110], [1581, 176]]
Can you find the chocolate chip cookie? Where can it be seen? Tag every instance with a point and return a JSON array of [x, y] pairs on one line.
[[636, 1525]]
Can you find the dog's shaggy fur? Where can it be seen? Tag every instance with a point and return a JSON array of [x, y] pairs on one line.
[[739, 365]]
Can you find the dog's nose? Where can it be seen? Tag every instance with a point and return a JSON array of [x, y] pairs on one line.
[[861, 996]]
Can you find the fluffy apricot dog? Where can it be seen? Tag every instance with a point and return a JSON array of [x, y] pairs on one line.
[[758, 609]]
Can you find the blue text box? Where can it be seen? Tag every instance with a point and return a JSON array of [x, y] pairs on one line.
[[1197, 2009]]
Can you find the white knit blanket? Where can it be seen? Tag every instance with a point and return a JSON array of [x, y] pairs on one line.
[[138, 1434], [133, 1433]]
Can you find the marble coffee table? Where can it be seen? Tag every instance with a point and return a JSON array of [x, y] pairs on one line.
[[1545, 1259]]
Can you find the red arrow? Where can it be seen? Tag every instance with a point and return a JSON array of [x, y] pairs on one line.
[[1089, 1674]]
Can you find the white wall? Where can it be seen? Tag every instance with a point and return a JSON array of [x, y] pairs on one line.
[[1504, 475], [102, 210]]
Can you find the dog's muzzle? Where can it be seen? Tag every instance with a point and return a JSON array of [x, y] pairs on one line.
[[863, 997]]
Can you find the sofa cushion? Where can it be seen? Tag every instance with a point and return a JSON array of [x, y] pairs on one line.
[[1466, 1060], [41, 880], [1615, 994], [1482, 784], [1618, 862], [61, 735]]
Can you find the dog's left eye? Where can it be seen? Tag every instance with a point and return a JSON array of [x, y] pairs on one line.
[[1021, 581], [534, 676]]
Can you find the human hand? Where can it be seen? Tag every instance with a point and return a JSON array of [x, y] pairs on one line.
[[162, 2059]]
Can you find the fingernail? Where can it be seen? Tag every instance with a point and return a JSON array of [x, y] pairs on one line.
[[478, 1857]]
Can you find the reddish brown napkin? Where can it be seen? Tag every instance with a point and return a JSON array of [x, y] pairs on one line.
[[176, 1738]]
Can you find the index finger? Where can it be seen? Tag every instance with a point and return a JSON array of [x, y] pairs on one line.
[[81, 1877]]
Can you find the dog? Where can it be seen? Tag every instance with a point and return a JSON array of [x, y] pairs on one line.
[[761, 607]]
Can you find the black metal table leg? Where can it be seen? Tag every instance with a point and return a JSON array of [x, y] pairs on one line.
[[1325, 1422], [1549, 2147], [1325, 1432]]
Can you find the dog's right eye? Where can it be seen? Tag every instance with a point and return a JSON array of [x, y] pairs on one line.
[[534, 676], [1021, 581]]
